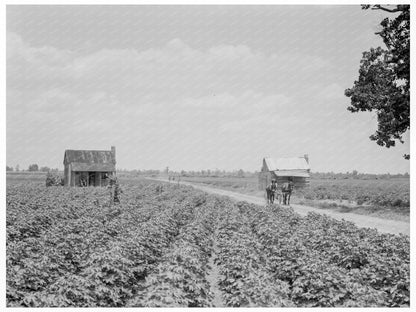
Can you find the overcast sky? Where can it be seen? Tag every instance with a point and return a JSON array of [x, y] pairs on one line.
[[192, 87]]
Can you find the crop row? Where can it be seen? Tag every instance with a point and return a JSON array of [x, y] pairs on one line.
[[160, 246], [332, 263], [180, 279], [83, 253], [244, 280]]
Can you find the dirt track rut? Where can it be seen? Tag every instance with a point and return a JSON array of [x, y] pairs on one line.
[[382, 225]]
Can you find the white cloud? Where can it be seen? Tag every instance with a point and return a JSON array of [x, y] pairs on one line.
[[42, 57], [332, 91], [173, 105], [172, 71]]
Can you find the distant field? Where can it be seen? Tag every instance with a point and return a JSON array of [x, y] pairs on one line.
[[25, 175], [387, 198], [247, 185]]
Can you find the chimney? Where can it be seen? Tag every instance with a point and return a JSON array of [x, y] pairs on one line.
[[113, 153], [306, 158]]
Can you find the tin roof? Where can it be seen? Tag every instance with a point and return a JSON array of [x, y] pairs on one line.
[[290, 163], [292, 173]]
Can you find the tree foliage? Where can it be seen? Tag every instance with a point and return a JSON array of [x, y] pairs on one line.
[[33, 167], [45, 169], [383, 85]]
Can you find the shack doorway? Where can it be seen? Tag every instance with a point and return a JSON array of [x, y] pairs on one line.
[[92, 179]]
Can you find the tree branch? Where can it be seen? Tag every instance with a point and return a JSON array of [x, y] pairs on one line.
[[379, 7]]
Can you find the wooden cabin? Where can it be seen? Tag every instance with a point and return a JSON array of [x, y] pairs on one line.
[[89, 168], [283, 170]]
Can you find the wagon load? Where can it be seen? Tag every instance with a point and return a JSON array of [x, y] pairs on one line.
[[295, 169]]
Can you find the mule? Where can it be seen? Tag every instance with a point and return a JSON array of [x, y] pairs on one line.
[[271, 193], [287, 189]]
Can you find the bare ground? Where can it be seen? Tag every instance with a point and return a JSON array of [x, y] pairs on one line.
[[213, 277], [382, 225]]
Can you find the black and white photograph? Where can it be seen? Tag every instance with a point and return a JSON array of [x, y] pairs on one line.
[[207, 155]]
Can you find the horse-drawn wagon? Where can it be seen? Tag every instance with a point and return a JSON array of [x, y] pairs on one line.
[[294, 170]]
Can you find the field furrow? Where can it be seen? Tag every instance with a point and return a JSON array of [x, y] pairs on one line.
[[244, 280], [180, 278]]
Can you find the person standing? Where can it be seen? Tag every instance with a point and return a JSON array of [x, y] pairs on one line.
[[115, 189]]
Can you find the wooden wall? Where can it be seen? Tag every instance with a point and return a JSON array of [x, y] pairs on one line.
[[74, 177], [298, 182], [67, 175], [265, 178]]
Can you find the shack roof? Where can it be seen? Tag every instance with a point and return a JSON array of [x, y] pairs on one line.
[[285, 164], [93, 167], [90, 160]]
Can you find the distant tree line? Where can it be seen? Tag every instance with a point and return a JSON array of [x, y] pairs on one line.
[[32, 168], [216, 173], [192, 173], [226, 174], [147, 172]]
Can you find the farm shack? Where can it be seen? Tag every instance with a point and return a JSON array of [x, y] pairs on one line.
[[282, 170], [89, 167]]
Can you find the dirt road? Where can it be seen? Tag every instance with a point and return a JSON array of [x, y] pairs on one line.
[[382, 225]]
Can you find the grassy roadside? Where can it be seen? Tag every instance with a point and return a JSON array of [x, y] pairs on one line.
[[368, 210]]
